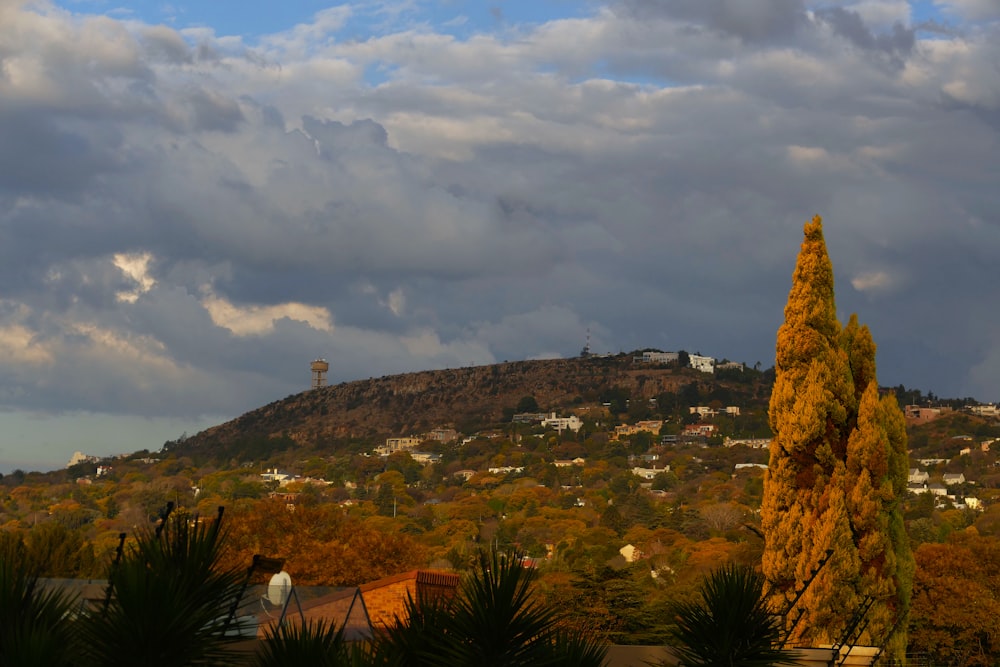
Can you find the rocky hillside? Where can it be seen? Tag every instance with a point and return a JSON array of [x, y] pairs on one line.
[[463, 398]]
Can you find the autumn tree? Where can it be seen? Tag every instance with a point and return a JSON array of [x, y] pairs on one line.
[[837, 471], [956, 600]]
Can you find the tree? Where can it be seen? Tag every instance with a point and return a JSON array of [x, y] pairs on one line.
[[837, 470], [956, 601], [34, 630], [731, 623], [496, 619], [171, 600], [527, 404], [386, 500], [320, 644]]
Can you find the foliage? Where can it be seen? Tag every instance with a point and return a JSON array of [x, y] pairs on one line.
[[318, 644], [34, 630], [731, 624], [527, 404], [171, 600], [320, 543], [956, 601], [495, 620], [837, 473]]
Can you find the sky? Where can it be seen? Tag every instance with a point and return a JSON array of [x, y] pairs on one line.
[[197, 199]]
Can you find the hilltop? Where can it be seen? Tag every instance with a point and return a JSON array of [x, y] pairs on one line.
[[471, 398]]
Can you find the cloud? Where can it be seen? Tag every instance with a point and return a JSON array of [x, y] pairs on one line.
[[877, 281], [258, 320], [187, 218], [750, 20], [136, 267], [977, 10]]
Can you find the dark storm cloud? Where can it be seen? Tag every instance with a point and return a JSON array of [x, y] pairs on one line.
[[897, 42], [750, 20]]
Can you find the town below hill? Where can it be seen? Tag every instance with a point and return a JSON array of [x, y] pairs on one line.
[[623, 479]]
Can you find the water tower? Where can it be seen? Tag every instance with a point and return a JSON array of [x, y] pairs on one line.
[[319, 369]]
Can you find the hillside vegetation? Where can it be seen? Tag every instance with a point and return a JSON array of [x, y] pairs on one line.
[[619, 528], [474, 398]]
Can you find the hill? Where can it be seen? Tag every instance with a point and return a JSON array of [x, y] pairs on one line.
[[468, 399]]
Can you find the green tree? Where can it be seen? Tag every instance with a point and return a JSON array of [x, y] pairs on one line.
[[731, 624], [34, 630], [527, 404], [386, 500], [171, 600], [837, 470], [496, 619], [318, 644]]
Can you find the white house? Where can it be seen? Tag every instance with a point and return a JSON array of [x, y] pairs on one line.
[[658, 357], [649, 473], [917, 476], [425, 457], [272, 475], [630, 553], [505, 470], [572, 423], [953, 478], [700, 363]]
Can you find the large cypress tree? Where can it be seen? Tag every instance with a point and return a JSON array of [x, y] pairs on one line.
[[837, 471]]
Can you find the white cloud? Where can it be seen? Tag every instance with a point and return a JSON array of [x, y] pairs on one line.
[[19, 344], [977, 10], [136, 267], [396, 302], [256, 320], [875, 282]]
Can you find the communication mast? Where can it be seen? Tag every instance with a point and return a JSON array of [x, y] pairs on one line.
[[319, 369]]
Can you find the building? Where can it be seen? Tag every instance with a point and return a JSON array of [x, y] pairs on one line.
[[699, 429], [566, 463], [442, 435], [398, 445], [753, 443], [505, 470], [744, 466], [385, 599], [658, 357], [274, 475], [649, 473], [561, 424], [701, 363], [649, 426], [920, 414], [425, 458], [530, 417]]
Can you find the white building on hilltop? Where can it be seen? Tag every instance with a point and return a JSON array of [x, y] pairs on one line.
[[658, 357], [700, 363], [560, 424]]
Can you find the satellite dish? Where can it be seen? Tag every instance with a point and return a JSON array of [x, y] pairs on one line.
[[279, 588]]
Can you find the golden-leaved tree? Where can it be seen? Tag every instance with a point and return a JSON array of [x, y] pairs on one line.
[[837, 473]]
